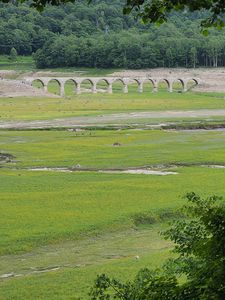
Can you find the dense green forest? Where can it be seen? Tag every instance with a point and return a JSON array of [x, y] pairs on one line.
[[99, 35]]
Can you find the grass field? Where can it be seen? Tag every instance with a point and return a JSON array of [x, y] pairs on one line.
[[27, 63], [21, 64], [60, 229], [50, 207], [99, 104], [74, 282], [85, 223], [54, 209], [138, 148]]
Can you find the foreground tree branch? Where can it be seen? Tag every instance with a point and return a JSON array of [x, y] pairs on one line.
[[156, 11], [200, 257]]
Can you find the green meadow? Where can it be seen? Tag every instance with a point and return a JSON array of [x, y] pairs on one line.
[[44, 207], [95, 148], [26, 64], [74, 282], [60, 229], [46, 210], [99, 104]]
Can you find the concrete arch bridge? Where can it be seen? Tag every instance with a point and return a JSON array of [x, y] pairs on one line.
[[109, 81]]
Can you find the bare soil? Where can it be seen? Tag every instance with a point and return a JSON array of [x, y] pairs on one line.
[[16, 88], [145, 171], [113, 119], [5, 157]]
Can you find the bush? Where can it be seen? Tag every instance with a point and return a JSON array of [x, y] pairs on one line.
[[199, 244], [13, 54]]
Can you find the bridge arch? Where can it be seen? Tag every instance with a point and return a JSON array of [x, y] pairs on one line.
[[195, 80], [119, 79], [55, 86], [37, 83], [87, 79], [149, 85], [118, 84], [71, 80], [102, 85], [191, 83], [178, 85], [102, 79], [134, 84], [164, 84], [70, 86], [59, 85], [87, 85], [137, 80]]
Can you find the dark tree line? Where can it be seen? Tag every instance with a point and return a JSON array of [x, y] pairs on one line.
[[99, 35], [131, 50]]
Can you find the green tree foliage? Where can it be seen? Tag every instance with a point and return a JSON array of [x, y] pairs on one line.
[[99, 35], [13, 54], [200, 257], [133, 50], [155, 11], [193, 56]]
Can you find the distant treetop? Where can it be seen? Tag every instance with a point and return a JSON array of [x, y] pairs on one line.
[[156, 11]]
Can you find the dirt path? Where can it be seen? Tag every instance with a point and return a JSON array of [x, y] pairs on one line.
[[84, 252], [113, 119]]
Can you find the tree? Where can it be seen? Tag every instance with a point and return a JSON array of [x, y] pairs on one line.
[[169, 57], [156, 11], [200, 257], [193, 56], [13, 54], [214, 49]]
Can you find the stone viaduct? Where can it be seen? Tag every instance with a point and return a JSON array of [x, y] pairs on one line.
[[110, 81]]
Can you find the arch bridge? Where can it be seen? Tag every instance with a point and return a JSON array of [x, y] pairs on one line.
[[109, 81]]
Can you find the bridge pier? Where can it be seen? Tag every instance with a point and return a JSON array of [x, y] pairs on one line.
[[140, 87], [125, 88], [170, 88], [155, 88], [78, 89], [110, 90], [94, 88], [185, 87], [62, 90]]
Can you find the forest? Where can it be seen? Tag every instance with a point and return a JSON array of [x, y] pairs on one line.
[[99, 35]]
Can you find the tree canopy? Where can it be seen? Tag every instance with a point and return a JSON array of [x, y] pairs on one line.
[[156, 11], [200, 258], [100, 35]]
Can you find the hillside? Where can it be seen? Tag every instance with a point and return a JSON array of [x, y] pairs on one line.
[[100, 36]]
